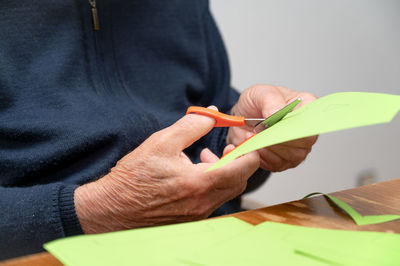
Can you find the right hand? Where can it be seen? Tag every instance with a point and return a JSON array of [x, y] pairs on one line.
[[158, 184]]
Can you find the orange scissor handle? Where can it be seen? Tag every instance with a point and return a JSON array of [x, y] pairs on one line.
[[222, 120]]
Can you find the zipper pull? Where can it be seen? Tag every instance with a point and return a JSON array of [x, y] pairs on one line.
[[95, 15]]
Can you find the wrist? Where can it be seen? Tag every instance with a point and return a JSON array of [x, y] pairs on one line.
[[93, 208]]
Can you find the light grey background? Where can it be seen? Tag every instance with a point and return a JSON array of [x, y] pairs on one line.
[[322, 47]]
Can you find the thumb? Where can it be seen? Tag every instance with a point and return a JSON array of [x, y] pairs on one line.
[[271, 103], [266, 99], [187, 130]]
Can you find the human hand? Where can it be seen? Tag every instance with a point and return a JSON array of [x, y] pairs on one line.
[[158, 184], [262, 101]]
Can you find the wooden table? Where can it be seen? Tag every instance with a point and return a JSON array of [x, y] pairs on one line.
[[379, 198]]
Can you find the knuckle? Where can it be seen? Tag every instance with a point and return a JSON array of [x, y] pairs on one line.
[[299, 156], [259, 86], [154, 138], [282, 88], [252, 87], [162, 137], [256, 88], [158, 141]]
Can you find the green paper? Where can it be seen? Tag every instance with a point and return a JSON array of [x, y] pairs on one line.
[[229, 241], [341, 246], [149, 246], [333, 112], [272, 243], [253, 247], [356, 216]]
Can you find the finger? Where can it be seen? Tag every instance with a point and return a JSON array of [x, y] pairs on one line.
[[270, 161], [273, 98], [307, 142], [207, 156], [293, 156], [234, 173], [228, 149], [184, 132]]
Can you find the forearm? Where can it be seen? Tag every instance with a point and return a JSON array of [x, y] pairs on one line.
[[98, 207]]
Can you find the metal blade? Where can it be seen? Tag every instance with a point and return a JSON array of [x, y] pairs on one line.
[[276, 117], [252, 122]]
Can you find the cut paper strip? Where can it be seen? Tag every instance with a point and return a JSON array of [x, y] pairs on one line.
[[333, 112], [160, 245], [356, 216]]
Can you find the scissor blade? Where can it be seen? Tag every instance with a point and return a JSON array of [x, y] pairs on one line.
[[252, 122], [276, 117]]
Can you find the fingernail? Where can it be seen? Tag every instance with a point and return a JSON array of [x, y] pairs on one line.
[[213, 107]]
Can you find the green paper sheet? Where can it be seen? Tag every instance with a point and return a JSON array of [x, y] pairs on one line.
[[356, 216], [272, 243], [254, 247], [229, 241], [333, 112], [149, 246], [341, 246]]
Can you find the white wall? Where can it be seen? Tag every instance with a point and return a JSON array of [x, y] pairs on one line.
[[322, 47]]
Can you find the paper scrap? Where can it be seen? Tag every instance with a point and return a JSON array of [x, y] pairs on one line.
[[333, 112], [356, 216]]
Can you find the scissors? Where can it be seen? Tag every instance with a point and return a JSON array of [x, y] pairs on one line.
[[259, 124]]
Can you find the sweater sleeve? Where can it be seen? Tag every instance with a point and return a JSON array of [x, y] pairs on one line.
[[32, 216]]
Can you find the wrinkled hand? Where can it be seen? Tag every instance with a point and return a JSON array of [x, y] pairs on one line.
[[158, 184], [262, 101]]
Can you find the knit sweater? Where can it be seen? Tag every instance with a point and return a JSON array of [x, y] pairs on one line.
[[73, 100]]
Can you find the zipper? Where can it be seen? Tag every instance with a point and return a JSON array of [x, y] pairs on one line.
[[100, 44], [95, 15]]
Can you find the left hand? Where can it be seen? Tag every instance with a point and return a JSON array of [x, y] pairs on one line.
[[262, 101]]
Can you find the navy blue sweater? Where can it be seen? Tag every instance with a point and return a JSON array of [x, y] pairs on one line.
[[73, 101]]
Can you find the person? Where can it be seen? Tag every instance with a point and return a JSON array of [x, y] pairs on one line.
[[92, 128]]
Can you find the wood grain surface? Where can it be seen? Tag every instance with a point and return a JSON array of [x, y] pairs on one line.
[[375, 199]]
